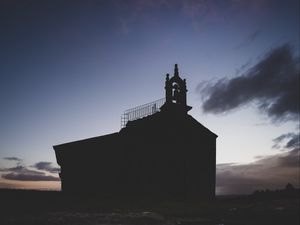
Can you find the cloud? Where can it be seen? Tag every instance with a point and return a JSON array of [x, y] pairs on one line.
[[13, 159], [215, 8], [269, 172], [272, 84], [199, 13], [22, 173], [292, 141], [13, 169], [29, 177], [17, 160], [46, 166], [249, 39]]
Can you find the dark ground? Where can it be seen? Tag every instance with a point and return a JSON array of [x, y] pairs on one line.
[[50, 207]]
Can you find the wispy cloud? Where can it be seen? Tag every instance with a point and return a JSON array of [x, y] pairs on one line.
[[198, 12], [249, 39], [291, 141], [12, 159]]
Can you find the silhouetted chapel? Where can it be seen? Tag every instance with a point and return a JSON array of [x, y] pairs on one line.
[[160, 151]]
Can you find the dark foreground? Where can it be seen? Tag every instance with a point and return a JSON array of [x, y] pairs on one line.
[[44, 208]]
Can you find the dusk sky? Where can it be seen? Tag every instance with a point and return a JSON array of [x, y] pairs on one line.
[[70, 68]]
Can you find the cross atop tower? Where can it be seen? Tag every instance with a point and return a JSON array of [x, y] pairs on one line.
[[176, 73]]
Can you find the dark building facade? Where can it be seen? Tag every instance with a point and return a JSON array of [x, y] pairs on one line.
[[166, 154]]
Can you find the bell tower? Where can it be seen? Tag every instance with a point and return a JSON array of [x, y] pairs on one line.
[[176, 91]]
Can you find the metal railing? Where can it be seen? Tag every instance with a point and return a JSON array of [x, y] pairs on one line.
[[141, 111]]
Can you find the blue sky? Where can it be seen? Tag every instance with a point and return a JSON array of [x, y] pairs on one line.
[[70, 68]]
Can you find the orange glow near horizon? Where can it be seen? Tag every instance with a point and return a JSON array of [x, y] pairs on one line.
[[31, 185]]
